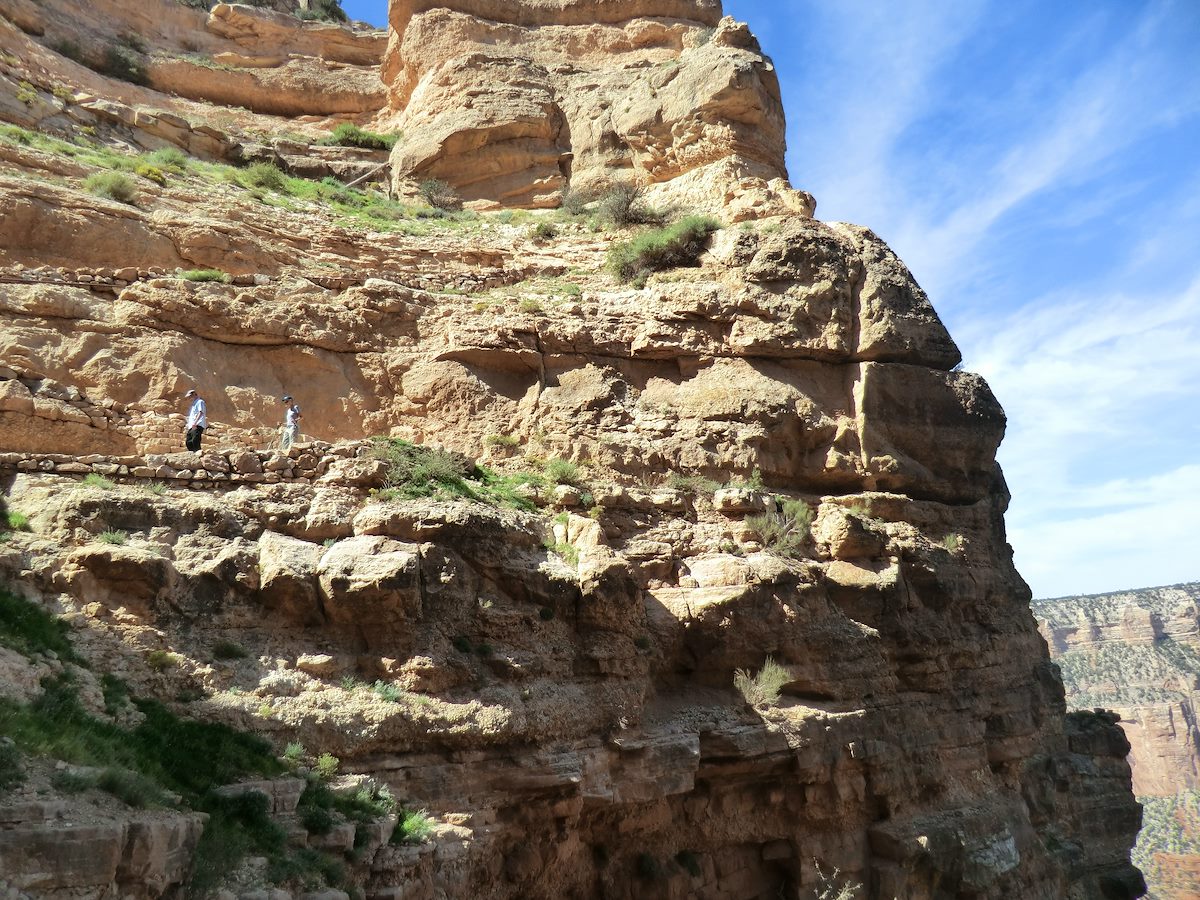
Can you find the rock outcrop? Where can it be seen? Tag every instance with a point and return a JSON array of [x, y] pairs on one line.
[[512, 103], [597, 509]]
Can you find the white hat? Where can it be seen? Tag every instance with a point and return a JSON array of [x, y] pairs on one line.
[[191, 393]]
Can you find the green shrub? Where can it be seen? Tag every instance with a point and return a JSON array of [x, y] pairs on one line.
[[162, 749], [385, 690], [568, 552], [294, 752], [664, 248], [530, 305], [125, 60], [151, 173], [17, 521], [327, 766], [462, 643], [118, 538], [228, 650], [414, 827], [439, 194], [952, 543], [69, 49], [643, 642], [161, 660], [27, 93], [693, 484], [349, 135], [316, 820], [115, 692], [130, 788], [575, 202], [323, 11], [784, 531], [11, 772], [265, 175], [545, 231], [621, 205], [562, 471], [205, 275], [762, 689], [113, 185], [98, 481], [168, 158], [27, 628], [507, 441], [237, 827], [73, 782], [415, 471]]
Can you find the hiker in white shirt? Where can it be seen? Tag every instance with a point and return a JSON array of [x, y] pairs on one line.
[[197, 420], [291, 423]]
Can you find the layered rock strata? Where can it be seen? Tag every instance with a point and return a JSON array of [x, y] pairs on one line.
[[511, 103], [921, 742], [542, 652]]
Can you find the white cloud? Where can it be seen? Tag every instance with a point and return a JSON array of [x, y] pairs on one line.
[[1091, 388], [1147, 538]]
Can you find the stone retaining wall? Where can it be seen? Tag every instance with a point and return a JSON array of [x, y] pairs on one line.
[[303, 463]]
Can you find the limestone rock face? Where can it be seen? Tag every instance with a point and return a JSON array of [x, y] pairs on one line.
[[537, 618], [512, 102]]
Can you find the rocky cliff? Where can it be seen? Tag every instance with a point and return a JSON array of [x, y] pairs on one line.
[[511, 102], [686, 583], [1138, 653]]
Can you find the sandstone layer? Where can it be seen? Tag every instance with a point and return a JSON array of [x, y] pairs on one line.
[[528, 622], [514, 103]]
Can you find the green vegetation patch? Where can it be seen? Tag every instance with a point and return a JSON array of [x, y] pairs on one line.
[[693, 484], [146, 765], [28, 628], [784, 530], [11, 771], [350, 135], [16, 521], [763, 688], [1118, 674], [660, 249], [211, 275], [323, 11], [414, 827], [414, 472], [113, 186], [439, 194], [125, 59], [562, 471], [1170, 825]]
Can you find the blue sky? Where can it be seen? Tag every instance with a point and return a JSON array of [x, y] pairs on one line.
[[1037, 165]]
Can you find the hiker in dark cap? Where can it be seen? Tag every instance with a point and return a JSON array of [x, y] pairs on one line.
[[197, 420], [291, 423]]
